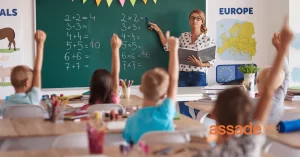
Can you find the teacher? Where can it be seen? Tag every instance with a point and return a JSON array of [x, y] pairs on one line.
[[191, 76]]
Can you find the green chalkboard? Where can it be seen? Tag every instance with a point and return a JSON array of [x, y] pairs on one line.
[[78, 37]]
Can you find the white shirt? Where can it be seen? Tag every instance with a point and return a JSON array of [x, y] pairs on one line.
[[185, 41]]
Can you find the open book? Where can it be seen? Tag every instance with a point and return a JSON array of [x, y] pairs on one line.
[[206, 55]]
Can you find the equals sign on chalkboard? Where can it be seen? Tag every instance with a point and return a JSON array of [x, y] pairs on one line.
[[139, 64], [87, 56], [86, 46], [138, 37], [86, 36], [84, 18], [86, 66]]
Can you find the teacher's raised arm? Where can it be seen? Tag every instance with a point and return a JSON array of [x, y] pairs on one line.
[[196, 39]]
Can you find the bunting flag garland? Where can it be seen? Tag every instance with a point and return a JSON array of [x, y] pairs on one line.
[[122, 2], [98, 2], [133, 2], [109, 2]]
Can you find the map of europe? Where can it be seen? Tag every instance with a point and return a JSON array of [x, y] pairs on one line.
[[235, 40]]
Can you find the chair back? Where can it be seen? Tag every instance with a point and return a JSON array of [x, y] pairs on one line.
[[24, 111], [73, 140]]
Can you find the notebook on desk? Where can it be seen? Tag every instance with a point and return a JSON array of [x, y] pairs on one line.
[[206, 55]]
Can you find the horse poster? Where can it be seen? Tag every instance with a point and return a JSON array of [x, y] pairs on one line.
[[11, 42]]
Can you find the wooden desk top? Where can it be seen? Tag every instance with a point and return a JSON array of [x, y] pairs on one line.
[[134, 101], [208, 106], [288, 139], [38, 127], [202, 106], [111, 151]]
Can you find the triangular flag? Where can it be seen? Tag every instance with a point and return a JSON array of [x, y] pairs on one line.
[[132, 2], [155, 1], [98, 2], [109, 2], [145, 1], [83, 1], [122, 2]]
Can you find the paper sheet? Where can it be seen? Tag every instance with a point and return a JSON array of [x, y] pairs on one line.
[[122, 2], [116, 125], [145, 1], [133, 2], [83, 1], [109, 2], [155, 1], [76, 105]]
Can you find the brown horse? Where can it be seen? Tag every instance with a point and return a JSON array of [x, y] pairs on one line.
[[8, 33]]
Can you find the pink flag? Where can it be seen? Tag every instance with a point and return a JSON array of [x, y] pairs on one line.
[[122, 2]]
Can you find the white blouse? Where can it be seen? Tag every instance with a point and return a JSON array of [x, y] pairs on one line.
[[203, 41]]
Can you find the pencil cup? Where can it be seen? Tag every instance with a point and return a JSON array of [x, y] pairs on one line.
[[96, 137], [126, 93]]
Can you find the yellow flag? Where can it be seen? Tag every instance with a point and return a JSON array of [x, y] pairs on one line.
[[98, 2], [109, 2], [155, 1], [145, 1], [83, 1], [132, 2]]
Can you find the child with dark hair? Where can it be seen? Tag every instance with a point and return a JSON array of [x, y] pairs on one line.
[[104, 85]]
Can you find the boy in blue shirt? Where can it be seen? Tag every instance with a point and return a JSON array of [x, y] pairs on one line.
[[27, 82], [158, 112]]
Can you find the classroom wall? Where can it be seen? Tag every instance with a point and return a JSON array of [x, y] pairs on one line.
[[267, 18], [294, 55]]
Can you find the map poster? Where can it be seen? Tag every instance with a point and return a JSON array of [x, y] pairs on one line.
[[294, 54], [11, 36], [240, 31]]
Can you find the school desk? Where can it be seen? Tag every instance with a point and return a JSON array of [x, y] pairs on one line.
[[38, 127], [112, 151], [208, 106], [288, 139]]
